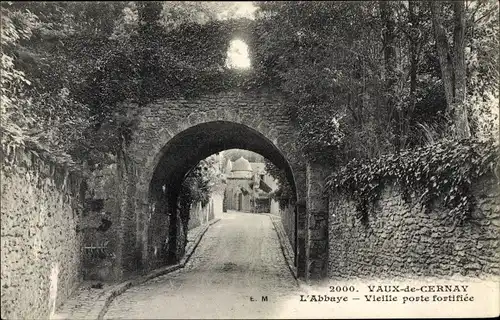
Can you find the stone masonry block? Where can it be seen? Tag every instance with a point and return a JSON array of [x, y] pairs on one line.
[[212, 115], [196, 118]]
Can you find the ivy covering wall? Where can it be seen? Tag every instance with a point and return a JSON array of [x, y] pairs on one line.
[[442, 171]]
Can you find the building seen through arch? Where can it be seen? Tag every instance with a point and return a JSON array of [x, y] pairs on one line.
[[248, 187]]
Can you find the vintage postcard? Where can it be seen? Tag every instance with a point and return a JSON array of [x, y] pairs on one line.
[[258, 160]]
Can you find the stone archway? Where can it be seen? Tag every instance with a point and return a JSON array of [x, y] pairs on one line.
[[172, 135], [163, 231]]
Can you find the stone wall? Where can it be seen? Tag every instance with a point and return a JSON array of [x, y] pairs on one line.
[[218, 199], [200, 214], [400, 239], [316, 223], [41, 248]]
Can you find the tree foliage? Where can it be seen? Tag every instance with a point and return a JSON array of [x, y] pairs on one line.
[[73, 72], [201, 182], [365, 78], [50, 57], [284, 192], [15, 27]]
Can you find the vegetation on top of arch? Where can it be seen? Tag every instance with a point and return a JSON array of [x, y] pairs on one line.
[[69, 66], [168, 63], [445, 171]]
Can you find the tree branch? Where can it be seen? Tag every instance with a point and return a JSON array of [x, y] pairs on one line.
[[443, 50]]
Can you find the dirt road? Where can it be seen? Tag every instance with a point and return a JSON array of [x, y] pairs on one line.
[[237, 271]]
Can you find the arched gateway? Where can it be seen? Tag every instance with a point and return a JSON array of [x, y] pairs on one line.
[[172, 136]]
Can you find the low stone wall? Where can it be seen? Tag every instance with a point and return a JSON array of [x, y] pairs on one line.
[[198, 215], [160, 237], [41, 248], [275, 207], [400, 239]]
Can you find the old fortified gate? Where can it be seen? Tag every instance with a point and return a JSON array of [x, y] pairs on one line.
[[171, 137]]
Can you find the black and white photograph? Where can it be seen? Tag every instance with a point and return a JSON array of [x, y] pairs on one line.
[[250, 160]]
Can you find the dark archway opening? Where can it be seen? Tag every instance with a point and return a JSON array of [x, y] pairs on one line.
[[178, 157]]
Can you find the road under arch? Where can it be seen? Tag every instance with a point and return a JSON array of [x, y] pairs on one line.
[[166, 240]]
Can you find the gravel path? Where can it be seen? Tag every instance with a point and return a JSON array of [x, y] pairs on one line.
[[237, 263]]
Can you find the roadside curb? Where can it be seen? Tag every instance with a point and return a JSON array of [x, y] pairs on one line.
[[285, 249], [121, 288]]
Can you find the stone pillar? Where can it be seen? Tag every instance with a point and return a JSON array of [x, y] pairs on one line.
[[105, 189], [316, 223], [131, 251], [301, 239], [299, 171], [142, 209]]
